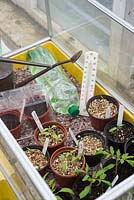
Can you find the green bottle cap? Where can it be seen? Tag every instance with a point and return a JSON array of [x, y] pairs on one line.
[[73, 110]]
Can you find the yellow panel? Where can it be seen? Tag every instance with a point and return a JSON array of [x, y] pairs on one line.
[[73, 69], [6, 192]]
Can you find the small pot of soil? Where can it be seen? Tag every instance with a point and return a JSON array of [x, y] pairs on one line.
[[41, 108], [96, 108], [93, 141], [6, 76], [38, 159], [11, 120], [129, 146], [118, 135], [56, 133], [64, 162], [123, 170]]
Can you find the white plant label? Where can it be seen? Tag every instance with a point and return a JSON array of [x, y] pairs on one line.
[[113, 183], [120, 115], [88, 81], [73, 136], [108, 110], [45, 146], [22, 109], [37, 121], [80, 149]]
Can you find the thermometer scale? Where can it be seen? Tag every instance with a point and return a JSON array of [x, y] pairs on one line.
[[88, 81]]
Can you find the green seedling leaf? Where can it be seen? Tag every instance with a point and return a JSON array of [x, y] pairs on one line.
[[66, 190], [58, 197], [130, 162], [55, 137], [64, 166], [112, 129], [87, 168], [53, 126], [108, 167], [85, 178], [118, 153], [85, 192], [111, 150], [124, 156], [79, 171], [107, 183], [62, 158], [45, 176]]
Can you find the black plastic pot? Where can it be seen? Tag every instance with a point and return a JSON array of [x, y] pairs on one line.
[[99, 123], [92, 160], [129, 146], [124, 171], [113, 141], [44, 169], [6, 76]]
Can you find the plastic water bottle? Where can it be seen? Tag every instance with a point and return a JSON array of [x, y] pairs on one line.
[[59, 89]]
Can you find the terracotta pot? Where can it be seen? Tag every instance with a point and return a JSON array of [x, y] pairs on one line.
[[92, 160], [43, 111], [51, 148], [99, 123], [129, 146], [44, 169], [113, 141], [11, 120], [64, 180]]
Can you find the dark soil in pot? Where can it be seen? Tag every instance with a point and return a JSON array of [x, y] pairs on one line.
[[96, 108], [118, 135], [41, 108], [93, 141], [11, 120], [129, 146], [38, 159], [79, 185], [56, 133], [123, 171]]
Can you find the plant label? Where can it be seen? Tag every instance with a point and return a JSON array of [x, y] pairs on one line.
[[80, 149], [108, 110], [73, 136], [88, 81], [45, 146], [113, 183], [37, 121], [120, 115], [22, 109]]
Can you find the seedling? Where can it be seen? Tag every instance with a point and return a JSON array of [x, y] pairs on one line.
[[116, 128], [96, 178], [118, 157], [70, 157], [53, 132], [52, 185]]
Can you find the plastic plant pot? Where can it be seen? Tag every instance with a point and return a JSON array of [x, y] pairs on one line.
[[42, 109], [99, 122], [6, 76], [95, 136], [129, 146], [43, 170], [52, 147], [11, 120], [64, 180], [118, 139]]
